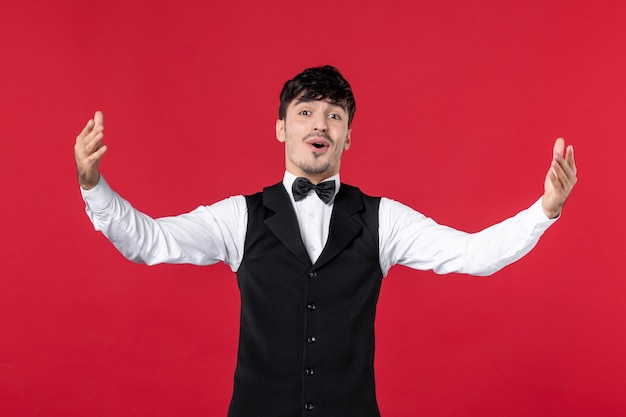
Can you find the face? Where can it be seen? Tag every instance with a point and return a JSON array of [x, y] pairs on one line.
[[315, 134]]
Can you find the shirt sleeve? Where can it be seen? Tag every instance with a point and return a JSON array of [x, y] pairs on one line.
[[409, 238], [204, 236]]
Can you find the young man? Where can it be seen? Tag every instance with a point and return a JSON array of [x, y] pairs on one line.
[[310, 254]]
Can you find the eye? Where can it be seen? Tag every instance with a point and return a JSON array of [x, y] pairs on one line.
[[334, 116], [304, 112]]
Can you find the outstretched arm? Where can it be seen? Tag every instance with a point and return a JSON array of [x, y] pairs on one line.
[[411, 239], [88, 151], [560, 179], [204, 236]]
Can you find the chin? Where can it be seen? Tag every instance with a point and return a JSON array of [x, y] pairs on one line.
[[315, 169]]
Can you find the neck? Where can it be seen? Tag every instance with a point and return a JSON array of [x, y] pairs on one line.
[[315, 179]]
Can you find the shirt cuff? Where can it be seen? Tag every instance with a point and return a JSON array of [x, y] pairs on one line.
[[99, 197], [536, 213]]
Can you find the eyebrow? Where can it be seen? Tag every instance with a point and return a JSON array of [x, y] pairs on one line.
[[332, 103]]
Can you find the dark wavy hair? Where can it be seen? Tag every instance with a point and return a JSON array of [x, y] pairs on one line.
[[318, 83]]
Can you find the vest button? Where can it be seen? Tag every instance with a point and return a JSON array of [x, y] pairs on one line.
[[308, 406], [311, 339], [308, 371], [312, 274], [311, 306]]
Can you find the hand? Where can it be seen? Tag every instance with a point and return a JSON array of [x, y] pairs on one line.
[[560, 179], [88, 151]]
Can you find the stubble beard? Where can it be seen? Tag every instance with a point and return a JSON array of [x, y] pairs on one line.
[[312, 168], [315, 167]]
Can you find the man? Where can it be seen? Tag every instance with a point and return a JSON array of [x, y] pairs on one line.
[[310, 253]]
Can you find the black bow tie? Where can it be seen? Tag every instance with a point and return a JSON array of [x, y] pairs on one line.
[[301, 187]]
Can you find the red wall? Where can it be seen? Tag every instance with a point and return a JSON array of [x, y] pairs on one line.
[[459, 100]]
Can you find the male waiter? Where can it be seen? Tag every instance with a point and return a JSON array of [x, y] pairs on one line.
[[310, 253]]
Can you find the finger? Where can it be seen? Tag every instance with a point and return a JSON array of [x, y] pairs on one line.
[[556, 175], [94, 143], [91, 162], [569, 157], [86, 130], [559, 147], [562, 168], [567, 166], [95, 157], [565, 176], [91, 128], [98, 118], [87, 145]]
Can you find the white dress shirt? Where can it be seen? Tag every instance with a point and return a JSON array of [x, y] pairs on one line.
[[210, 234]]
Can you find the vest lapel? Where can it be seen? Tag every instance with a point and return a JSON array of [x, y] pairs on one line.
[[282, 221], [343, 228]]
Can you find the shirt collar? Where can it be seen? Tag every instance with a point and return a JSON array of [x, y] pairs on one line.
[[289, 178]]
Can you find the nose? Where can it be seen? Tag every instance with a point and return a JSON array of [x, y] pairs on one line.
[[320, 124]]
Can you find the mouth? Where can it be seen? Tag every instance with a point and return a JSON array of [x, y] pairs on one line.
[[318, 144]]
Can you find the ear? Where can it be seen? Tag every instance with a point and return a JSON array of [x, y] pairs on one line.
[[346, 145], [280, 130]]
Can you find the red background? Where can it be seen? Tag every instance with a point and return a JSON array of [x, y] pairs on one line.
[[461, 100]]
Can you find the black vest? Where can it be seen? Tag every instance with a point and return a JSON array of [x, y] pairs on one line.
[[306, 344]]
